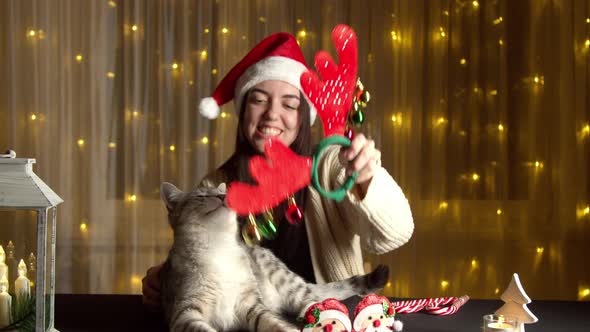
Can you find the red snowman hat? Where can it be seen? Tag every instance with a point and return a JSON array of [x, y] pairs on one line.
[[327, 309], [277, 57], [372, 304]]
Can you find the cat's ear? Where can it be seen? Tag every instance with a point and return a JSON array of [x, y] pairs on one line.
[[222, 188], [170, 195]]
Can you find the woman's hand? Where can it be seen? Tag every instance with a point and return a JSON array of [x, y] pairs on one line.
[[361, 157], [150, 287]]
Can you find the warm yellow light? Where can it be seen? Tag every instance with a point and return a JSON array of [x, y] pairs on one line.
[[498, 20], [394, 118], [500, 41], [493, 92], [214, 71], [586, 129], [112, 4], [473, 263], [112, 145], [81, 142], [536, 79], [172, 147], [587, 210], [388, 284], [499, 211], [587, 43], [463, 61], [444, 284], [223, 114], [500, 127], [441, 120], [442, 32], [22, 268], [394, 35], [475, 4], [33, 117], [191, 82], [497, 290], [110, 74], [79, 58], [135, 114], [83, 227], [446, 12], [135, 280], [205, 140], [475, 176], [132, 198], [134, 27], [538, 164], [32, 33], [443, 205], [540, 250], [588, 20], [175, 65], [206, 30], [302, 33], [585, 292], [262, 19], [224, 30], [204, 55]]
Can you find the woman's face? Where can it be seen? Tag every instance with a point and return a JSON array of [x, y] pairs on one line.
[[272, 111]]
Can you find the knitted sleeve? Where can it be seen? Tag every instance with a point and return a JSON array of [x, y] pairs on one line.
[[382, 219]]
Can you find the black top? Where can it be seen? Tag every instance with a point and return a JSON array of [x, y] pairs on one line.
[[291, 246]]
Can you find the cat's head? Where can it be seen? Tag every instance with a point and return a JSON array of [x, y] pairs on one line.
[[200, 209]]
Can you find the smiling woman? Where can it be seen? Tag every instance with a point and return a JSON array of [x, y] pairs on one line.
[[271, 111]]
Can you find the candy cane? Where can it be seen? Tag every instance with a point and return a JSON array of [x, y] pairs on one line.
[[434, 306], [443, 311]]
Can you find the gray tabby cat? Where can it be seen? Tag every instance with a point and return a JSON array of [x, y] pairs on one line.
[[212, 281]]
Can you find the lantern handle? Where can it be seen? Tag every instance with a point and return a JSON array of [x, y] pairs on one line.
[[8, 154]]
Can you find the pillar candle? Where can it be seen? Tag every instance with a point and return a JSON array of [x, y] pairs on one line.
[[22, 285], [5, 303], [3, 266]]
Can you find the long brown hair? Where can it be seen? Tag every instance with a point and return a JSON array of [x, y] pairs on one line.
[[236, 167]]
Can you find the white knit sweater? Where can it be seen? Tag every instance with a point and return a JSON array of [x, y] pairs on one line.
[[380, 222]]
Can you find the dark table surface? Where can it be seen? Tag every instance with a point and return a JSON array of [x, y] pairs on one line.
[[126, 313]]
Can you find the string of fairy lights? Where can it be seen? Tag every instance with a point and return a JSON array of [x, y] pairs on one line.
[[536, 82]]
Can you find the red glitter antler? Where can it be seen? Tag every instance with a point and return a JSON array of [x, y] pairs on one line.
[[332, 97], [278, 176]]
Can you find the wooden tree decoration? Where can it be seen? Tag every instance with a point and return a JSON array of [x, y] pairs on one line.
[[515, 304]]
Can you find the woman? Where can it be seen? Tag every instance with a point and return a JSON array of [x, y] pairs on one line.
[[326, 246]]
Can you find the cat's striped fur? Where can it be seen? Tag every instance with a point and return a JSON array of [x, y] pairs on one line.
[[211, 281]]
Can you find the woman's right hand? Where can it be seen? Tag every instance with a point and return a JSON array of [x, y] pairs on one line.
[[150, 288]]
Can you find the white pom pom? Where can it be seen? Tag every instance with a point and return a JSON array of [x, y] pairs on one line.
[[208, 108], [398, 325]]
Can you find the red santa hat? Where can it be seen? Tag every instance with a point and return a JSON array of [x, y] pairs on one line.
[[277, 57], [327, 309], [372, 305]]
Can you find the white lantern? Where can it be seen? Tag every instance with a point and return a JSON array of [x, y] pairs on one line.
[[22, 189]]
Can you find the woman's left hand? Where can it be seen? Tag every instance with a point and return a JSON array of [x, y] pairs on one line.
[[361, 157]]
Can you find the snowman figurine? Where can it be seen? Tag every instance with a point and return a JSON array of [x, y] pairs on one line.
[[329, 315], [375, 314]]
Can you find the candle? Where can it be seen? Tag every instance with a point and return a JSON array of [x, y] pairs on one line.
[[22, 285], [493, 323], [5, 303], [3, 266]]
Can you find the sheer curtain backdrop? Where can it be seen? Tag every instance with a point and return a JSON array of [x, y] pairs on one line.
[[481, 110]]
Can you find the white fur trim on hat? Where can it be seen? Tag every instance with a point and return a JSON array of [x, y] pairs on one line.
[[332, 314], [209, 108], [277, 68], [398, 325], [373, 309]]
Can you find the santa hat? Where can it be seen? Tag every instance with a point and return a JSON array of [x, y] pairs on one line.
[[277, 57], [327, 309], [372, 305]]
